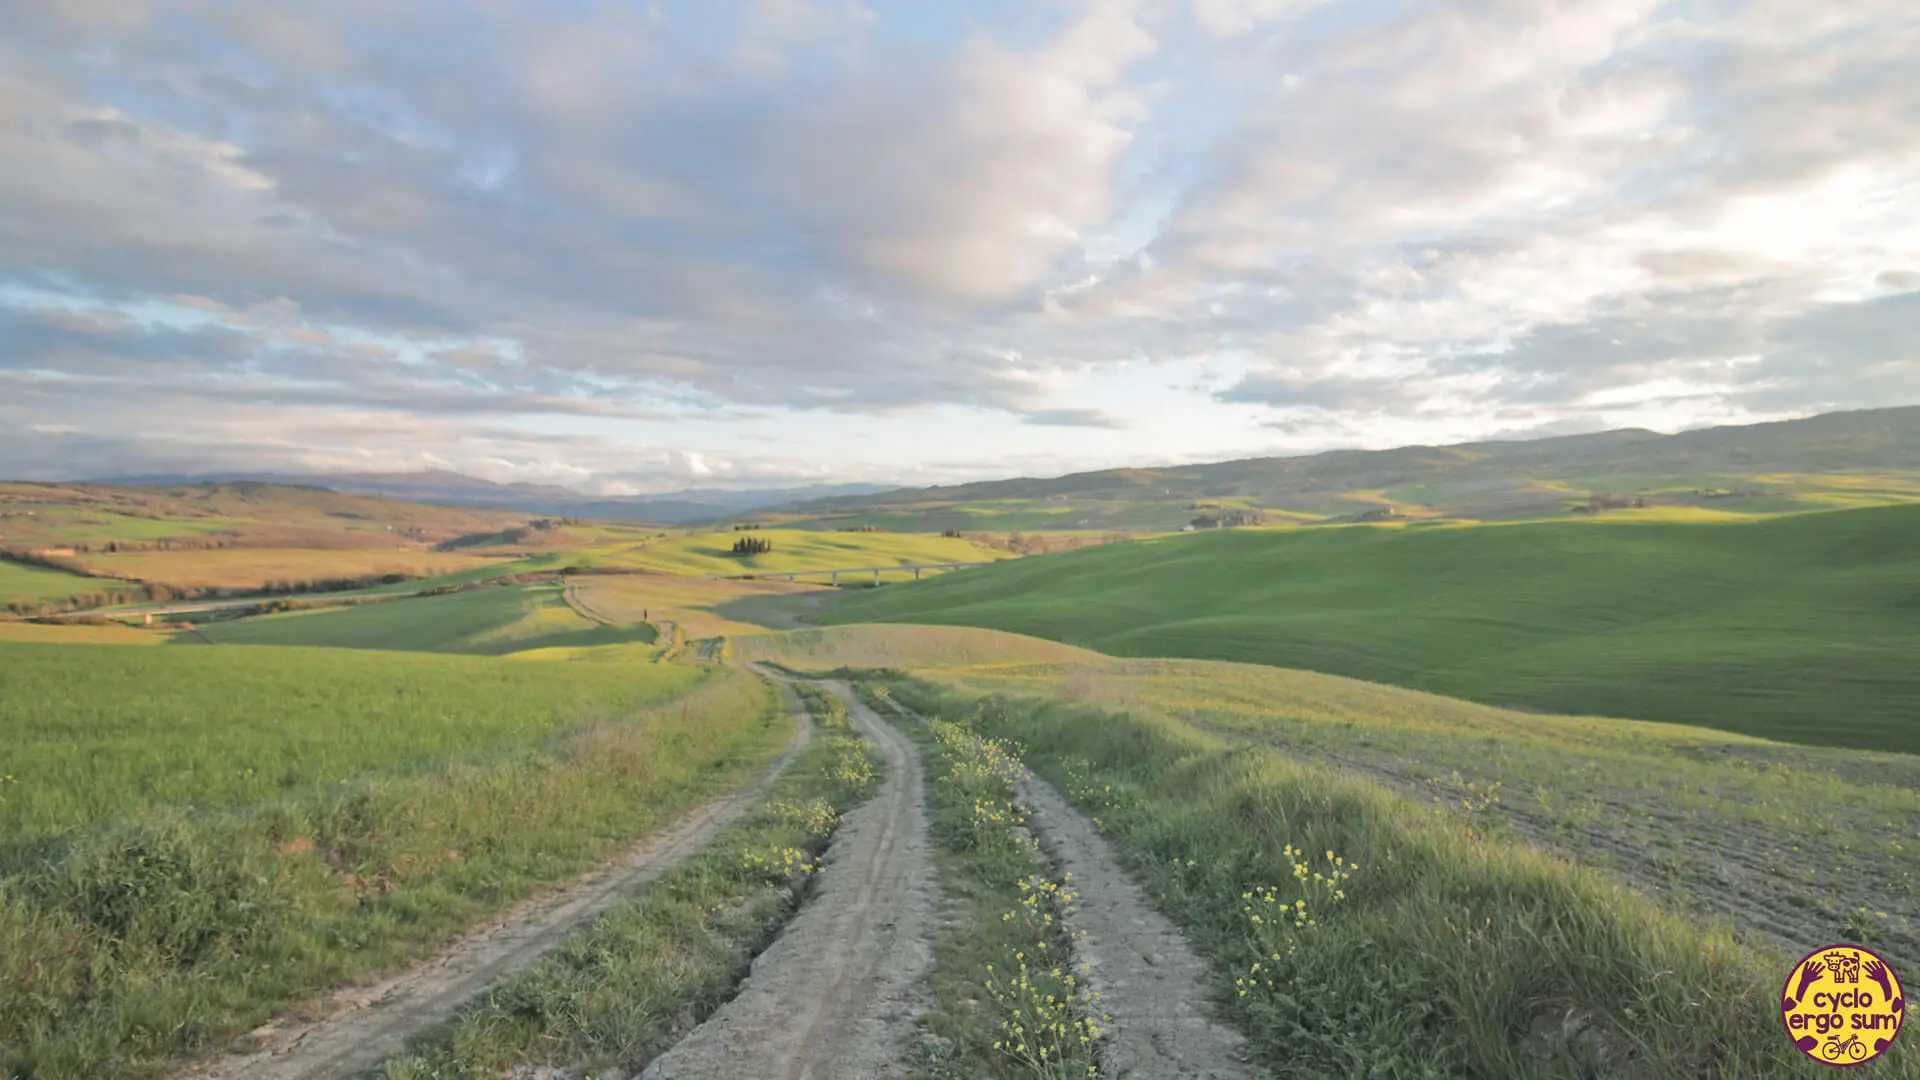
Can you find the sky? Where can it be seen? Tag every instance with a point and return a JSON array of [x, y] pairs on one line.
[[637, 247]]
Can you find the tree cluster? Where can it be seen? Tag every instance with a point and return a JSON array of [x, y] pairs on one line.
[[752, 545]]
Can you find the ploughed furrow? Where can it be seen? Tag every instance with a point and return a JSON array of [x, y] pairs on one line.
[[362, 1026], [837, 996]]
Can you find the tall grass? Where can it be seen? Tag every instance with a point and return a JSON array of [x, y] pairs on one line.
[[97, 735], [1452, 954], [161, 927]]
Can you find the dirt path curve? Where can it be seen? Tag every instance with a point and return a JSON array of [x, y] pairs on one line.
[[837, 996], [579, 606], [1150, 982], [359, 1027]]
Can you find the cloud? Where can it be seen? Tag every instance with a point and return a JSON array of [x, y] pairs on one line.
[[744, 220], [1089, 418]]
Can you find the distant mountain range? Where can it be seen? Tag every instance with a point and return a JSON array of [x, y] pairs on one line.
[[1481, 480], [456, 489]]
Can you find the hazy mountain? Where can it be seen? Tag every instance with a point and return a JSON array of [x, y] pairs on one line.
[[456, 489], [1471, 479]]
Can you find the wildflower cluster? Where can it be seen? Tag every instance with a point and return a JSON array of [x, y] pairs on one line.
[[1474, 797], [825, 705], [1278, 914], [1047, 1012], [852, 767], [816, 818], [1083, 789], [982, 774], [780, 863], [5, 780]]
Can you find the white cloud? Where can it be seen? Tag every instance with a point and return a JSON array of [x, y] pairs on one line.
[[861, 233]]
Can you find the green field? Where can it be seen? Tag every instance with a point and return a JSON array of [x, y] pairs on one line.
[[1798, 628], [95, 736], [1440, 943], [85, 634], [487, 621], [192, 839], [707, 553], [23, 583]]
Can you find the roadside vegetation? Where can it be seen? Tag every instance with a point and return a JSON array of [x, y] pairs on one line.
[[1357, 932], [627, 987], [194, 839], [1796, 628], [1008, 997]]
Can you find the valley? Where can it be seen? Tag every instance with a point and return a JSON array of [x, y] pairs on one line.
[[1402, 797]]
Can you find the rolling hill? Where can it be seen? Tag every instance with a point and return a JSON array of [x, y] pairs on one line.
[[1799, 627], [444, 488], [1869, 457]]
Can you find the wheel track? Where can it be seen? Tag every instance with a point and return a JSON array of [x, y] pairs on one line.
[[837, 995], [358, 1027], [1151, 984]]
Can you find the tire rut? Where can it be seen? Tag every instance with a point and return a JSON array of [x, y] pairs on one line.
[[361, 1026], [837, 996], [1151, 984]]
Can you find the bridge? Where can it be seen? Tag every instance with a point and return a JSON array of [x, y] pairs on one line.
[[834, 573]]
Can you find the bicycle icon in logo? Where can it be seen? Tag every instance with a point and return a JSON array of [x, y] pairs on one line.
[[1852, 1049]]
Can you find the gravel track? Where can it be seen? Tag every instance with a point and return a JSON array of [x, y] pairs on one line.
[[837, 996], [1150, 983], [357, 1028]]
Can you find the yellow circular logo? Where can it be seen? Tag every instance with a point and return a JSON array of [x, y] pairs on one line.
[[1842, 1005]]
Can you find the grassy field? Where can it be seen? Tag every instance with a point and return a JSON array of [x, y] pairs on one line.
[[69, 514], [1794, 844], [252, 568], [95, 736], [903, 646], [700, 608], [110, 634], [1416, 940], [695, 554], [22, 582], [1799, 628], [489, 621], [192, 839]]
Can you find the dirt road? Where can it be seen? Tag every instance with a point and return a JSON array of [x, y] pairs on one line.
[[1150, 982], [359, 1027], [836, 997]]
